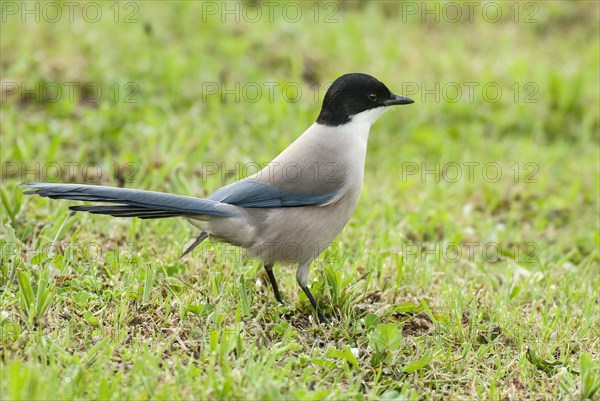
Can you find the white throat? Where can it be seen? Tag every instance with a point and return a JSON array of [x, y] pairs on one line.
[[360, 124], [368, 116]]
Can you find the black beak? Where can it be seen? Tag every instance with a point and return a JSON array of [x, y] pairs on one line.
[[397, 99]]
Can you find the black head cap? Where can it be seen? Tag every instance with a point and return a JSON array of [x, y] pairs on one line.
[[354, 93]]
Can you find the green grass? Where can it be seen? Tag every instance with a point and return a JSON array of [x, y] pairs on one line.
[[100, 308]]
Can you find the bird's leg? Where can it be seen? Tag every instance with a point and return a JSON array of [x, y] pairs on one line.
[[203, 235], [269, 269], [322, 317], [302, 278]]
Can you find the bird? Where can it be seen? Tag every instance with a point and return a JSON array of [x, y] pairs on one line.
[[290, 211]]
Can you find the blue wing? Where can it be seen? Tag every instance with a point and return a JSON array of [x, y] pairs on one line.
[[250, 193]]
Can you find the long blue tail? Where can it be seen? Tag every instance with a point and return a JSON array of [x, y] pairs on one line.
[[131, 202]]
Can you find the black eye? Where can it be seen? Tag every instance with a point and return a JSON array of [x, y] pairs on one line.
[[373, 97]]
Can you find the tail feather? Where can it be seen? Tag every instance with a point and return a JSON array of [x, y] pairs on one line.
[[130, 202], [125, 211]]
